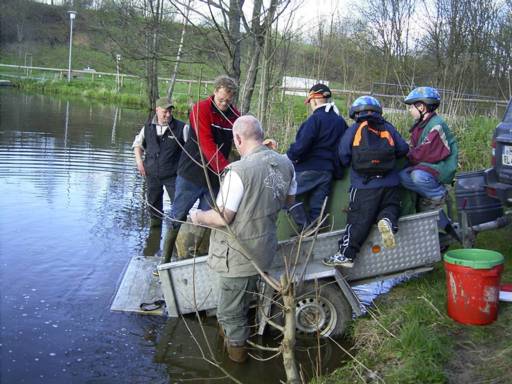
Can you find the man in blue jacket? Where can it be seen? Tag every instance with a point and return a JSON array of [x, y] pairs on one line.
[[371, 146], [314, 152]]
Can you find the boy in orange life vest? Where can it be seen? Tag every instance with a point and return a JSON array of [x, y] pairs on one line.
[[371, 146]]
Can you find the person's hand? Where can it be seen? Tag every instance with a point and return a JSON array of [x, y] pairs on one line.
[[193, 216], [140, 167]]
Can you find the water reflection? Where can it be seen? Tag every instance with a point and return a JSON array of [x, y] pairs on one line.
[[66, 125], [114, 125], [72, 216]]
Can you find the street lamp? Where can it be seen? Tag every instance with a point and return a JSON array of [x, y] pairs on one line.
[[72, 15], [118, 59]]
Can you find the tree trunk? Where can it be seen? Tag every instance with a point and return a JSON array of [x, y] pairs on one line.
[[170, 90], [235, 14], [152, 70], [266, 66], [152, 44], [255, 51], [288, 343], [264, 81], [250, 80]]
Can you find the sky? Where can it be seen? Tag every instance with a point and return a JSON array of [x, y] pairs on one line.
[[308, 13]]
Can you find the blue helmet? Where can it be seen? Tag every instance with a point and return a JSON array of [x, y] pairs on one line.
[[365, 103], [428, 95]]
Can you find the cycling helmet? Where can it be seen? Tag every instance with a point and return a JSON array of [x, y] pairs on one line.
[[428, 95], [365, 103]]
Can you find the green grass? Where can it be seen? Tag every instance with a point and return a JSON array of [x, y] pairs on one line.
[[104, 89], [421, 344]]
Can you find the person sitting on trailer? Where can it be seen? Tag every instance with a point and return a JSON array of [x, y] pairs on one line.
[[433, 153], [252, 192], [314, 152], [371, 146]]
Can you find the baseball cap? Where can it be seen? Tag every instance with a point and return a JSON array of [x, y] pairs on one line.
[[318, 91], [164, 103]]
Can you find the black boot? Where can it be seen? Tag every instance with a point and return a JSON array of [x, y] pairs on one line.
[[169, 241], [153, 241], [299, 215]]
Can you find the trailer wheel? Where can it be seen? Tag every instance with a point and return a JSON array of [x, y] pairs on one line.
[[324, 310]]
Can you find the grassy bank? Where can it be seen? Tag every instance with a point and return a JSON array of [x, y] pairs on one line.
[[131, 94], [410, 339], [88, 90]]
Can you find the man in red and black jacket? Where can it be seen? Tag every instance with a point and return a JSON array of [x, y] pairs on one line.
[[207, 148]]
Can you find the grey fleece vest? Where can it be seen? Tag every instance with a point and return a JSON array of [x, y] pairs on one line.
[[266, 177]]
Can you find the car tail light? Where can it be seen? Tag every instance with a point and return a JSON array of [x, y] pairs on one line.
[[493, 152], [491, 192]]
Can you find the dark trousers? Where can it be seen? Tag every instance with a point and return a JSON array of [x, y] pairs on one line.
[[366, 207], [187, 194], [316, 185], [155, 192]]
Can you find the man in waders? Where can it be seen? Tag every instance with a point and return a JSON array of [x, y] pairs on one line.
[[205, 155], [159, 141], [253, 191]]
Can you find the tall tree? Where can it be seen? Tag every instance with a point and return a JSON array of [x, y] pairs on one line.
[[137, 31], [389, 23]]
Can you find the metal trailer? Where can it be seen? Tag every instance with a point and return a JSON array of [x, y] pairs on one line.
[[325, 301]]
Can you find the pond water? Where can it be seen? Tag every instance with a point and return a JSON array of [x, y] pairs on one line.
[[72, 216]]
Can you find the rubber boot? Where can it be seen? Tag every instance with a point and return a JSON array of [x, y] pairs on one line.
[[155, 222], [238, 354], [169, 241], [299, 215], [152, 245]]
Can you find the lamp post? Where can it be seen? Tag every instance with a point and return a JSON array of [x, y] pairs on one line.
[[118, 59], [72, 15]]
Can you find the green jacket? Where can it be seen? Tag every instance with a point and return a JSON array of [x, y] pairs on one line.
[[435, 139]]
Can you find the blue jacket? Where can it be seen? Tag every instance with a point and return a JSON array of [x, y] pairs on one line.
[[391, 179], [316, 141]]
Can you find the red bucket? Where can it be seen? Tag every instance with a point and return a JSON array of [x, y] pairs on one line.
[[473, 285]]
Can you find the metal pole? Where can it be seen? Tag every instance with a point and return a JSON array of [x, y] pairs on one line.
[[72, 15]]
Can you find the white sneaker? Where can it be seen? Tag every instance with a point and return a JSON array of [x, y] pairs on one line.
[[338, 260], [386, 233]]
